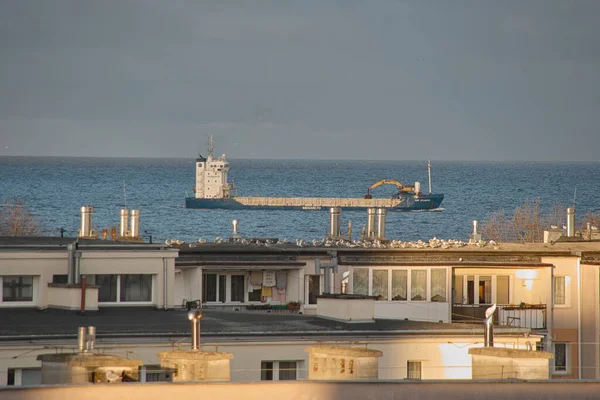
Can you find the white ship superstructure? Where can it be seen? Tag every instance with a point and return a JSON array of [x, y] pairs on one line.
[[211, 175]]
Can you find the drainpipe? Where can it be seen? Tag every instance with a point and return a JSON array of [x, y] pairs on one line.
[[165, 284], [579, 317]]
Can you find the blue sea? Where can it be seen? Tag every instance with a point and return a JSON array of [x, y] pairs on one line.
[[55, 188]]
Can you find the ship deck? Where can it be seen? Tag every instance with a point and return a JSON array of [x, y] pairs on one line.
[[316, 202]]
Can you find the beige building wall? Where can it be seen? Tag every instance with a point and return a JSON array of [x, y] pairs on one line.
[[590, 330]]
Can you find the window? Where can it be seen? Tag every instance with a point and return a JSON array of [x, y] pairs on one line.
[[279, 370], [154, 373], [60, 278], [360, 281], [413, 369], [560, 298], [314, 288], [380, 284], [485, 290], [503, 290], [24, 376], [127, 288], [418, 284], [237, 288], [17, 288], [136, 287], [458, 290], [209, 289], [438, 285], [561, 358], [399, 284]]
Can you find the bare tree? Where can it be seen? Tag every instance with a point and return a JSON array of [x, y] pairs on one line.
[[526, 225], [17, 220]]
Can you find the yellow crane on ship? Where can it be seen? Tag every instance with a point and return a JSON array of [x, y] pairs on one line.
[[400, 186]]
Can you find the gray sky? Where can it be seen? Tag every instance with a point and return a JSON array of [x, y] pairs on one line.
[[408, 80]]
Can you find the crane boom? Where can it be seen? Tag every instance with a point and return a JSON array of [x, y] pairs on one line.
[[400, 186]]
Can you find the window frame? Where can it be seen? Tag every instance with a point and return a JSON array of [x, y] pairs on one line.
[[566, 291], [276, 369], [16, 303], [118, 292], [567, 370], [418, 363]]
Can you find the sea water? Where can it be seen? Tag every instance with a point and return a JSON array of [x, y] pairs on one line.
[[55, 188]]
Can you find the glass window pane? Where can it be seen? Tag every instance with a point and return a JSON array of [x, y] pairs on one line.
[[414, 369], [399, 284], [502, 290], [287, 370], [438, 285], [222, 288], [237, 288], [485, 290], [458, 290], [418, 285], [136, 287], [107, 292], [360, 281], [17, 288], [559, 290], [210, 287], [380, 284], [560, 356], [314, 288], [266, 371]]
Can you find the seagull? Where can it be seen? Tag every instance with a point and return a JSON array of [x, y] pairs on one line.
[[553, 226]]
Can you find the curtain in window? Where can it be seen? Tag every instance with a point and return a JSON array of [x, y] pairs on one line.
[[438, 285], [418, 285], [380, 284], [107, 293], [287, 370], [399, 284], [559, 290], [136, 287], [360, 281], [414, 369]]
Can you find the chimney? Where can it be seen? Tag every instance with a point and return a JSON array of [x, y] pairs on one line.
[[371, 222], [234, 225], [86, 338], [488, 329], [123, 232], [475, 236], [570, 222], [381, 223], [335, 214], [134, 225], [86, 221]]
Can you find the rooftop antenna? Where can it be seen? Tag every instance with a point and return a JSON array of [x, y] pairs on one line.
[[211, 146], [124, 194], [429, 174]]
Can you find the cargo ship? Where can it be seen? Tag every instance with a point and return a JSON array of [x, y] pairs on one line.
[[213, 191]]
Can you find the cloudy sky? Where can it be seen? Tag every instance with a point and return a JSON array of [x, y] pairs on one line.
[[404, 79]]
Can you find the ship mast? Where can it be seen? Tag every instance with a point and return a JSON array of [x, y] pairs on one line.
[[211, 147], [429, 174]]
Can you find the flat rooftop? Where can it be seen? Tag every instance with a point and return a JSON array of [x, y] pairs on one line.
[[129, 322]]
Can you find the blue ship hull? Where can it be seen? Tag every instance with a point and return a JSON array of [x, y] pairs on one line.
[[428, 202]]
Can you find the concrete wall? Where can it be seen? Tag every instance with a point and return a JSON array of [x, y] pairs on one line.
[[346, 309], [413, 310], [590, 321], [538, 390], [70, 298]]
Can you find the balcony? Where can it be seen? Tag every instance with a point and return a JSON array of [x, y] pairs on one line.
[[531, 316]]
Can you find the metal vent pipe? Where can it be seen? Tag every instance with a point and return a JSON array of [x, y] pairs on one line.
[[134, 226], [488, 328], [570, 221], [475, 225], [381, 223], [81, 334], [371, 222], [91, 338], [86, 221], [194, 316], [124, 223], [335, 215]]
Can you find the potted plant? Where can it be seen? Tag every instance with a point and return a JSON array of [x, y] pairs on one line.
[[293, 305]]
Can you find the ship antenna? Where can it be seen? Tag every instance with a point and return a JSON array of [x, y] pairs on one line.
[[210, 146], [429, 174]]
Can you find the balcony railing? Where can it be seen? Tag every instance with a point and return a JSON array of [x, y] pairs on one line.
[[526, 316]]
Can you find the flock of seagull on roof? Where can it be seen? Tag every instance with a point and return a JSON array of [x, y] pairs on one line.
[[329, 242]]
